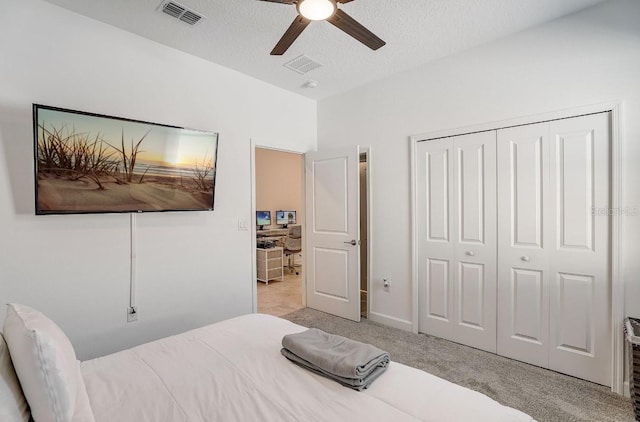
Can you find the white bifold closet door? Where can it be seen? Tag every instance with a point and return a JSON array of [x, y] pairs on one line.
[[553, 245], [456, 223], [525, 273]]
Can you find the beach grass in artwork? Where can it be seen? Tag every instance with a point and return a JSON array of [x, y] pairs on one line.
[[92, 163]]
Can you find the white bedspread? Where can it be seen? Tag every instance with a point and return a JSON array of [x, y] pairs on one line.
[[233, 371]]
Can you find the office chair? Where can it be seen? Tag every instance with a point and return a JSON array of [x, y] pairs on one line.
[[293, 245]]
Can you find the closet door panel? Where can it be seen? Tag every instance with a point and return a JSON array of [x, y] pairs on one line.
[[437, 194], [526, 174], [579, 269], [523, 232], [574, 176], [528, 304], [574, 325], [474, 229], [438, 289], [471, 301], [434, 184], [470, 189]]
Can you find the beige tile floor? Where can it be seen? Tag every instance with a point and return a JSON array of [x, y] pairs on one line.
[[280, 297]]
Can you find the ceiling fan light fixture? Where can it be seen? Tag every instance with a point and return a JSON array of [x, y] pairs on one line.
[[317, 10]]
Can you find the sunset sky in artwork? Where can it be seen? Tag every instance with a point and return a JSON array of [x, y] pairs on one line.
[[164, 145]]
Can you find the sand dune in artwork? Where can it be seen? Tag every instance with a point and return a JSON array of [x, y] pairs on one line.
[[155, 194], [87, 171]]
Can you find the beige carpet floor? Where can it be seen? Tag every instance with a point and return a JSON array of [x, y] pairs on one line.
[[546, 395]]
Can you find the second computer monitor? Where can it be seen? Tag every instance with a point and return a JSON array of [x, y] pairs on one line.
[[285, 217]]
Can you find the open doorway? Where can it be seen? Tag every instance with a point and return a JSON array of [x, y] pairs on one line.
[[279, 199]]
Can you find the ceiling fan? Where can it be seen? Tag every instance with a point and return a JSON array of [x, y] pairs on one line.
[[318, 10]]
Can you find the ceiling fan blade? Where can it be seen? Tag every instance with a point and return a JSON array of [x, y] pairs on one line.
[[349, 25], [344, 1], [284, 1], [297, 26]]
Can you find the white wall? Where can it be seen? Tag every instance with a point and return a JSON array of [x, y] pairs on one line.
[[587, 58], [279, 182], [193, 268]]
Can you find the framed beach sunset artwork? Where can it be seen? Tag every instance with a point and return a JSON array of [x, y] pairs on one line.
[[92, 163]]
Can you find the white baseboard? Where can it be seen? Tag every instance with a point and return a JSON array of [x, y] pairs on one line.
[[394, 322], [625, 389]]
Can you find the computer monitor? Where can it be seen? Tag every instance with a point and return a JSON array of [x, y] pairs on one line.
[[285, 217], [263, 218]]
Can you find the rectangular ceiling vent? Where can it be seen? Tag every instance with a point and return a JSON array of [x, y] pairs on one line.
[[180, 12], [302, 64]]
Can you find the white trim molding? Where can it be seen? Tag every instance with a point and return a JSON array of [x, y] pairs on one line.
[[254, 268], [617, 221], [367, 151], [617, 240], [390, 321], [415, 325]]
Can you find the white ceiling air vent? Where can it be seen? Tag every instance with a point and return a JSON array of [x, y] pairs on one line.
[[178, 11], [302, 64]]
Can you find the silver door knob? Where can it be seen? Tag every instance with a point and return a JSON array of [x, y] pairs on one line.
[[525, 258], [352, 242], [470, 253]]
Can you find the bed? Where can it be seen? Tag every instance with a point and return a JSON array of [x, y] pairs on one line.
[[233, 371]]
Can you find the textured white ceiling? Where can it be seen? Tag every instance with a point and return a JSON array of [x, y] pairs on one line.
[[239, 34]]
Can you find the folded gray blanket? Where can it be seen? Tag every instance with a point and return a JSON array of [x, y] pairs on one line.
[[349, 362], [353, 383]]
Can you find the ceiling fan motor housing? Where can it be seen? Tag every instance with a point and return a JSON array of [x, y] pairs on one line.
[[316, 10]]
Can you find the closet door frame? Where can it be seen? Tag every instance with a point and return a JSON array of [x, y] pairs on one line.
[[617, 188]]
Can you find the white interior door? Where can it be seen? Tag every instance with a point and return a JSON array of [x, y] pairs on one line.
[[524, 235], [580, 329], [332, 232], [457, 238]]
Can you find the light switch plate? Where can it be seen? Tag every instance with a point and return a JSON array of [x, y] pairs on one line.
[[243, 226]]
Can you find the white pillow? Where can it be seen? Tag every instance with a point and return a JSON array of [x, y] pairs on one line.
[[13, 405], [83, 412], [45, 362]]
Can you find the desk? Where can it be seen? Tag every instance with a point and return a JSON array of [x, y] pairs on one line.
[[272, 232], [269, 264], [275, 235]]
